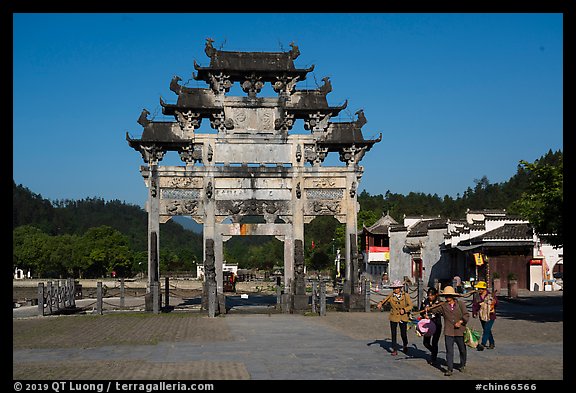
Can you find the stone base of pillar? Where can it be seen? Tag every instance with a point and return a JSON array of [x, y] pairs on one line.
[[221, 303], [354, 302], [286, 303], [347, 287], [212, 299], [300, 302], [148, 303]]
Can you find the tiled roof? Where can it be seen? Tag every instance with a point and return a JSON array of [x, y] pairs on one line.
[[487, 211], [397, 228], [421, 228], [507, 217], [459, 221], [381, 226], [507, 231]]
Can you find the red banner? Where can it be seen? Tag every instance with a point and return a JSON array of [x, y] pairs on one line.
[[378, 249]]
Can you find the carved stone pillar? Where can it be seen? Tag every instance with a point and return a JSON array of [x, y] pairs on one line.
[[210, 277], [300, 297], [153, 227], [210, 286]]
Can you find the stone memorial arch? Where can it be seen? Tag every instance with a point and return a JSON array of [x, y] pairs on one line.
[[252, 165]]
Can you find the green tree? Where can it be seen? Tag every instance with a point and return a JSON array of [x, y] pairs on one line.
[[104, 249], [29, 246], [541, 204], [320, 261]]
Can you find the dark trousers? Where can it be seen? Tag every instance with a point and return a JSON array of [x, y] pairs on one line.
[[449, 341], [393, 330], [487, 332], [431, 342]]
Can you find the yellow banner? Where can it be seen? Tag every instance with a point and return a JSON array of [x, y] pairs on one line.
[[478, 259]]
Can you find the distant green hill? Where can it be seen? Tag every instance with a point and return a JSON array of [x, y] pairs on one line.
[[189, 224], [178, 246], [181, 238]]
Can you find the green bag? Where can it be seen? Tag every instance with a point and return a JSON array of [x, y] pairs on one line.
[[472, 337]]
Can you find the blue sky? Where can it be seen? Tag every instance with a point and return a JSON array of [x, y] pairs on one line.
[[456, 96]]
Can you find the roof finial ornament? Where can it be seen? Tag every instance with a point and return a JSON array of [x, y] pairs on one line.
[[361, 118], [294, 52], [143, 119], [209, 49], [327, 86], [174, 86]]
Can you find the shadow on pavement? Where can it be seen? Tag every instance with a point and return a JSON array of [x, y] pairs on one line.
[[531, 308]]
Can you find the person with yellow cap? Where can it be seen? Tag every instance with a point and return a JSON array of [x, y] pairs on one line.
[[484, 306]]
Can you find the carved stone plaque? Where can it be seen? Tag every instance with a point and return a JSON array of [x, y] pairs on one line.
[[174, 193], [252, 119], [322, 193], [256, 183], [181, 182], [179, 207], [233, 194], [325, 182], [253, 207], [322, 208]]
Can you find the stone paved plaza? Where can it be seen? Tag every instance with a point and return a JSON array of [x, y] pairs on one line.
[[272, 346]]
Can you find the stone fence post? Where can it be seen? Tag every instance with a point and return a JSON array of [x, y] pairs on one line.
[[41, 298], [99, 299]]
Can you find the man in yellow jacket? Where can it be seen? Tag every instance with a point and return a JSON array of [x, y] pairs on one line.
[[400, 307]]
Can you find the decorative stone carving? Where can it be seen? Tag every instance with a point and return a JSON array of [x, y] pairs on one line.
[[153, 188], [294, 52], [315, 154], [210, 153], [285, 84], [209, 48], [191, 153], [299, 281], [316, 122], [252, 85], [253, 207], [298, 191], [218, 121], [188, 121], [324, 193], [209, 190], [361, 118], [323, 183], [320, 207], [180, 182], [151, 154], [266, 120], [176, 193], [347, 154], [174, 86], [285, 122], [182, 207], [353, 189], [220, 83], [327, 86], [143, 119], [351, 155], [298, 153]]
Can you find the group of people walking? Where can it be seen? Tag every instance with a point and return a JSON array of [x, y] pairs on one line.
[[450, 314]]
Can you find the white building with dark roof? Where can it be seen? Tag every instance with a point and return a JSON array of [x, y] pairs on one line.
[[434, 248]]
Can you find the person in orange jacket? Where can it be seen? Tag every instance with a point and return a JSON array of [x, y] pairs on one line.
[[400, 307]]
